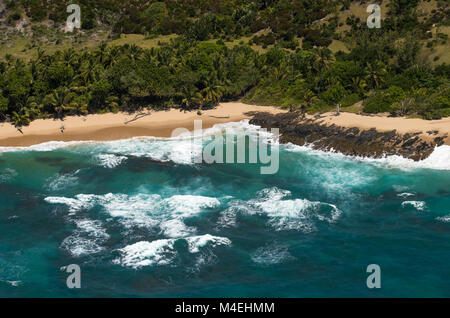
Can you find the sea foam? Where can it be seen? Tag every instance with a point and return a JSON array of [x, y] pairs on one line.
[[62, 181], [271, 254], [418, 205], [445, 218], [438, 160], [163, 252], [159, 252], [283, 213], [110, 160], [86, 239], [46, 146], [144, 210]]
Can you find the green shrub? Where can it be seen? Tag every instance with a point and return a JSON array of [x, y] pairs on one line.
[[381, 102], [350, 100], [13, 17], [334, 94]]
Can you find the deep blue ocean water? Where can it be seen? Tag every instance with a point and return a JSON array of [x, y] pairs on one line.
[[141, 221]]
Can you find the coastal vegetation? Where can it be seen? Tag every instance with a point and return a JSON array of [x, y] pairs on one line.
[[306, 54]]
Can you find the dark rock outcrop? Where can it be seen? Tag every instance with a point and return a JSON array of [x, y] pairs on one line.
[[349, 141]]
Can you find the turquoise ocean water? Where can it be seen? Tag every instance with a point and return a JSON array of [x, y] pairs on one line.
[[142, 221]]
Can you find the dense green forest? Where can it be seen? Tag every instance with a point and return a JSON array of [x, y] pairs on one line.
[[384, 68]]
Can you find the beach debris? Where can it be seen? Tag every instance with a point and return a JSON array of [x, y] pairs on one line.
[[219, 116], [138, 116]]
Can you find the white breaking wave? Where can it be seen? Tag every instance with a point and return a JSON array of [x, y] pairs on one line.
[[227, 218], [62, 181], [187, 205], [297, 214], [438, 160], [144, 210], [445, 219], [130, 210], [176, 228], [46, 146], [110, 160], [93, 228], [405, 195], [419, 205], [197, 242], [162, 252], [14, 283], [86, 239], [81, 202], [294, 214], [79, 246], [180, 151], [283, 213]]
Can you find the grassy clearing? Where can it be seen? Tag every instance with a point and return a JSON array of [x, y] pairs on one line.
[[22, 47], [337, 46], [356, 9], [141, 40], [426, 8], [439, 53]]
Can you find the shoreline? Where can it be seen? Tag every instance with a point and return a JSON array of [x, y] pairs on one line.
[[347, 133], [357, 135], [106, 127]]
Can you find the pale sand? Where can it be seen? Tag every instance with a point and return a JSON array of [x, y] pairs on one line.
[[113, 127], [382, 124], [162, 123]]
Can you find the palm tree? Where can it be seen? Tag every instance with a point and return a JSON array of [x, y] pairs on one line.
[[19, 65], [281, 72], [148, 56], [101, 53], [9, 59], [358, 85], [375, 74], [20, 119], [40, 54], [69, 56], [191, 97], [89, 72], [134, 52], [324, 58], [110, 57], [77, 107], [309, 97], [211, 91], [59, 100]]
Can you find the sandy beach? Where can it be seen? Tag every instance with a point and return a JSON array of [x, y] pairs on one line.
[[162, 123], [383, 124], [118, 126]]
